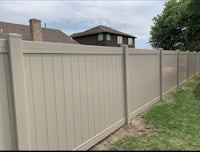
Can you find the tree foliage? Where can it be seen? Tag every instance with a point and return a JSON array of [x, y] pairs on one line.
[[178, 26]]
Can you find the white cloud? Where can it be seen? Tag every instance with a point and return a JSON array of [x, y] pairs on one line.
[[132, 17]]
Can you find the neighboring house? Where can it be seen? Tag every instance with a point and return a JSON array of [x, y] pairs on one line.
[[104, 36], [34, 32]]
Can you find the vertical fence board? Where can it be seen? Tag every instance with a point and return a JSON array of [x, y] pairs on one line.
[[116, 82], [5, 129], [109, 77], [60, 102], [84, 103], [69, 101], [76, 97], [196, 63], [31, 107], [191, 64], [121, 87], [95, 93], [101, 93], [199, 62], [106, 92], [90, 90], [114, 86], [39, 102], [182, 67], [51, 109]]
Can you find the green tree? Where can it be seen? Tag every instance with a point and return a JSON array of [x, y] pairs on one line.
[[193, 25], [177, 27]]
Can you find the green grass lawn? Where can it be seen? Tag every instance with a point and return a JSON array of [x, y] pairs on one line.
[[177, 124]]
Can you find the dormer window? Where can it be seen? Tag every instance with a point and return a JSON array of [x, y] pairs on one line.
[[108, 37], [100, 37], [119, 39], [130, 41]]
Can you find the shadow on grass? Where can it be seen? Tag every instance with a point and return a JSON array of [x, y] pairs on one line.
[[196, 92]]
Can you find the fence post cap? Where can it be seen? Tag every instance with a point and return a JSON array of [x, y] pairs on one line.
[[188, 51], [123, 45]]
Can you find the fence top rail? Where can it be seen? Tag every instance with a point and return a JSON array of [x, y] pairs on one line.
[[132, 51], [183, 53], [3, 46], [30, 47], [168, 52], [194, 53]]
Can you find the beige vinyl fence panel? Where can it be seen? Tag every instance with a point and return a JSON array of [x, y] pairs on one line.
[[169, 70], [183, 62], [72, 97], [191, 64], [5, 133], [196, 63], [7, 121], [144, 76]]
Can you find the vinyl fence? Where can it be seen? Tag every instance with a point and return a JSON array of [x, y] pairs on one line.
[[57, 96]]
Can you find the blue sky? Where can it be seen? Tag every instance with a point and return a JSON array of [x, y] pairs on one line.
[[70, 16]]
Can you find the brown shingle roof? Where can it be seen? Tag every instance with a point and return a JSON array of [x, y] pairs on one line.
[[49, 35], [100, 29]]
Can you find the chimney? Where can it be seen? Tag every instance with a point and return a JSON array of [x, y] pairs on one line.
[[35, 29]]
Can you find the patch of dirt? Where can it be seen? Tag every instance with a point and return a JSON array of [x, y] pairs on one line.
[[183, 87], [137, 127], [168, 98]]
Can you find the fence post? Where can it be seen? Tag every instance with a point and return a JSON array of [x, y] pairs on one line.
[[126, 76], [18, 90], [188, 66], [161, 76], [178, 67]]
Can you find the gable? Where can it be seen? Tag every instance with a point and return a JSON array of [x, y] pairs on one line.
[[100, 29]]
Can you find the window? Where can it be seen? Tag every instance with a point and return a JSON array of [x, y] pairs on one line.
[[130, 41], [100, 37], [119, 39], [108, 37]]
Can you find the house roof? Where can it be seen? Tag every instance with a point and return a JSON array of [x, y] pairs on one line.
[[49, 35], [100, 29]]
